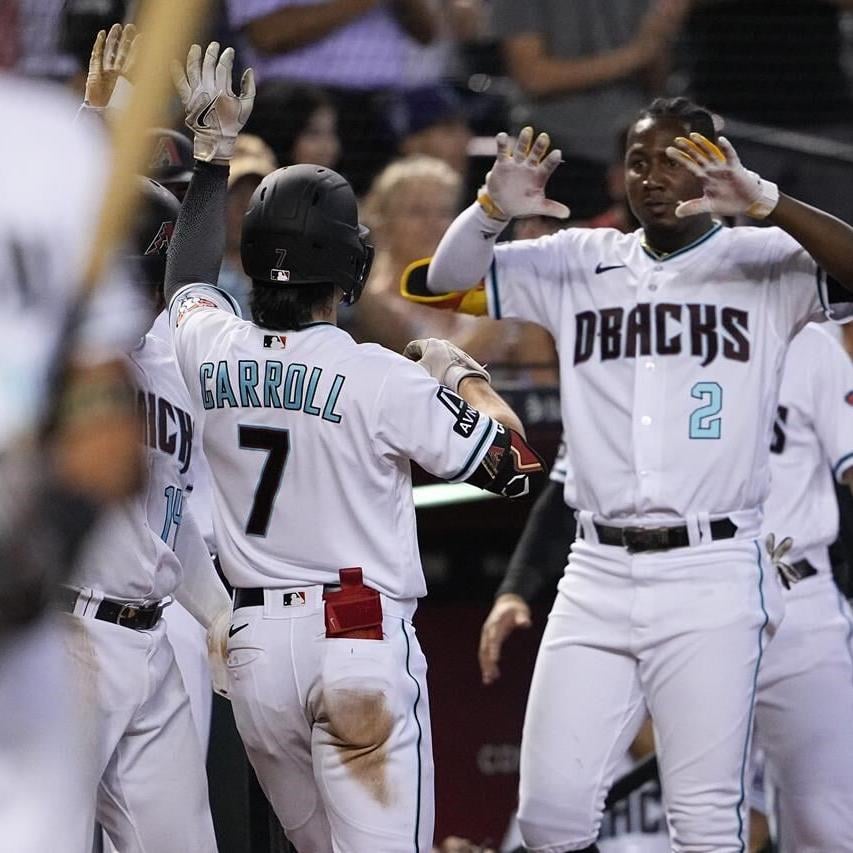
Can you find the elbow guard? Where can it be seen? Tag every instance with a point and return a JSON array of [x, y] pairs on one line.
[[510, 467]]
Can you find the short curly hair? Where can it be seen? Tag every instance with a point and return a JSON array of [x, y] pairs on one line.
[[695, 118]]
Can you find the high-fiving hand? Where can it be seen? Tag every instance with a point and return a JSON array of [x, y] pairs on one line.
[[114, 55], [214, 113], [729, 188], [515, 186]]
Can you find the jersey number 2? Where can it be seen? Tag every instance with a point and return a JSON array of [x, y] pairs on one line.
[[277, 444], [703, 423]]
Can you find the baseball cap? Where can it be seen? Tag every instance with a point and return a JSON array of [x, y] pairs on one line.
[[171, 157], [252, 156], [417, 109]]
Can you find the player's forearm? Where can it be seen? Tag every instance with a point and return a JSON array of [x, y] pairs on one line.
[[476, 392], [200, 592], [465, 252], [532, 567], [541, 75], [293, 27], [825, 237], [198, 244]]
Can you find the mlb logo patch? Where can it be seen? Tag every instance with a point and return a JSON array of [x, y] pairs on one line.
[[279, 275], [275, 341], [292, 599]]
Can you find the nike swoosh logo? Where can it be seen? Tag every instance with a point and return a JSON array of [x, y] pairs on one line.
[[601, 268], [232, 630], [201, 121]]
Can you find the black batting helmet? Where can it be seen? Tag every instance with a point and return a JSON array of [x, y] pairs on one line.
[[302, 228], [171, 162], [151, 232]]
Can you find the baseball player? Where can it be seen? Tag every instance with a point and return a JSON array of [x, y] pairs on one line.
[[54, 484], [805, 692], [309, 438], [148, 767], [671, 343]]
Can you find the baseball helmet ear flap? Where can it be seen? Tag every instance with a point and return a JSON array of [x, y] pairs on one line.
[[302, 228]]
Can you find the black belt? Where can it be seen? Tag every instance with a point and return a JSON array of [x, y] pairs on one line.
[[128, 614], [636, 539], [254, 596]]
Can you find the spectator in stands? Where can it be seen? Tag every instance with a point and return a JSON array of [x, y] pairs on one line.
[[583, 70], [299, 123], [252, 161], [356, 49], [409, 207], [777, 63], [431, 120]]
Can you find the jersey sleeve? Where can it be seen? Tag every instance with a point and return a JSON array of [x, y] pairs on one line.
[[530, 279], [832, 407], [193, 312], [807, 294], [418, 419]]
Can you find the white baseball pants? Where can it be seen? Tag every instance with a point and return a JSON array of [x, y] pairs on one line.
[[804, 719], [337, 730], [149, 772], [682, 632]]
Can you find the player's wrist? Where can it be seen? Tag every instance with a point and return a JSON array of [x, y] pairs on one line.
[[766, 198], [490, 207]]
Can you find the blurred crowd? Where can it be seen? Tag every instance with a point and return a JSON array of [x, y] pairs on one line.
[[403, 96]]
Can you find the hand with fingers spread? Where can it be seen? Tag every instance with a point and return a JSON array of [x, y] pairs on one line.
[[729, 188], [214, 113], [113, 55], [788, 572], [509, 612], [515, 186]]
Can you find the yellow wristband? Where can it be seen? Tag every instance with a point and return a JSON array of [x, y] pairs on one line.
[[487, 203]]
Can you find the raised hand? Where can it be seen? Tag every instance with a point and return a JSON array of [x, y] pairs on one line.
[[214, 113], [728, 187], [113, 55], [515, 186]]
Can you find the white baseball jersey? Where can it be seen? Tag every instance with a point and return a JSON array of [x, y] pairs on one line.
[[812, 442], [313, 414], [130, 554], [48, 210], [657, 355]]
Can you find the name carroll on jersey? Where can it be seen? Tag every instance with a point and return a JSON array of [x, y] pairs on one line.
[[704, 331], [295, 387]]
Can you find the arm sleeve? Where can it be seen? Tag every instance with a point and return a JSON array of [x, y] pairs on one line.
[[197, 246], [200, 592], [807, 294], [540, 556], [832, 407], [465, 253]]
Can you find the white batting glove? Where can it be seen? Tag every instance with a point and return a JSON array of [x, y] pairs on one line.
[[446, 363], [729, 188], [777, 554], [113, 56], [217, 652], [515, 186], [214, 113]]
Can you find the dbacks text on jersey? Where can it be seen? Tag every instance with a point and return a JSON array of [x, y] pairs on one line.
[[166, 427], [704, 331]]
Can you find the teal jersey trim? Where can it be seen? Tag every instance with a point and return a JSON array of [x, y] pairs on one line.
[[420, 739], [493, 287], [703, 239], [836, 469], [745, 759], [475, 456]]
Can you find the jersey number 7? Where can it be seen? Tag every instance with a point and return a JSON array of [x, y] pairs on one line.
[[277, 444]]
